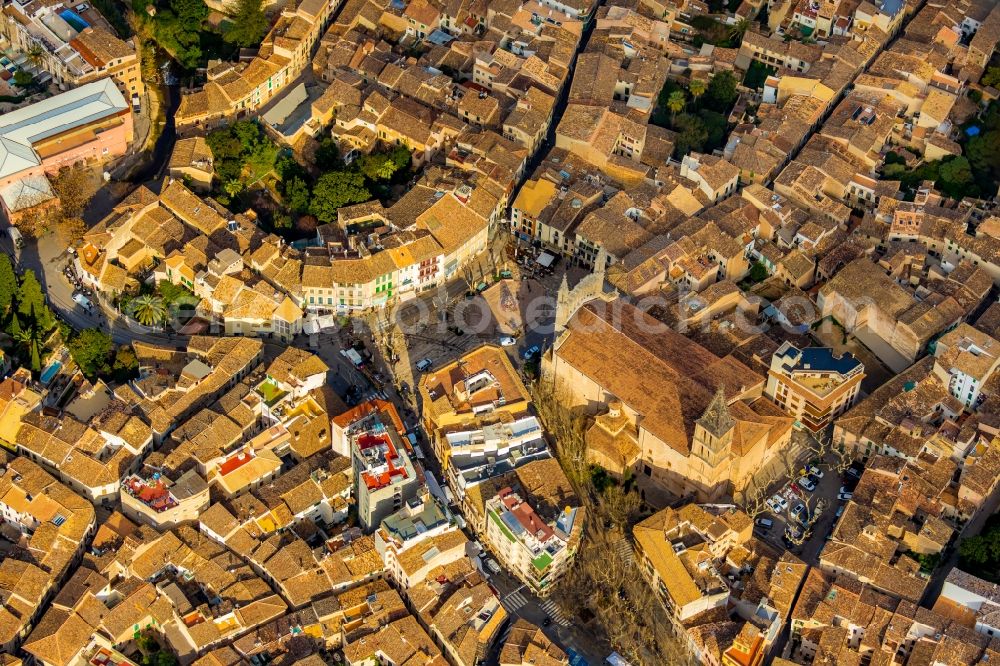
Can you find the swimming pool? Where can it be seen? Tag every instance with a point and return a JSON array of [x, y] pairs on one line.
[[50, 371], [74, 19]]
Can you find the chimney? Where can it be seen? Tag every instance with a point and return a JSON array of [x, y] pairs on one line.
[[614, 408]]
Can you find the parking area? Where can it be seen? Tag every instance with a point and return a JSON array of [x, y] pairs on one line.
[[803, 512], [514, 309]]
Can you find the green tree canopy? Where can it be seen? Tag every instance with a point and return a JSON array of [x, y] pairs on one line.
[[249, 24], [991, 77], [981, 554], [247, 133], [378, 166], [92, 350], [675, 102], [757, 74], [336, 189], [242, 155], [287, 168], [955, 178], [14, 327], [983, 153], [30, 339], [126, 365], [23, 79], [738, 29], [177, 27], [260, 161], [149, 310], [721, 94], [8, 284], [224, 146], [31, 304], [691, 134], [327, 157], [297, 194], [715, 129], [975, 550], [401, 156], [697, 88]]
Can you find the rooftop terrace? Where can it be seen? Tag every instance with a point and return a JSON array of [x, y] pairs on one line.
[[383, 462], [152, 492]]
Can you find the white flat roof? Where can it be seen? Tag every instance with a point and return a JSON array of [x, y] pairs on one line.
[[20, 128]]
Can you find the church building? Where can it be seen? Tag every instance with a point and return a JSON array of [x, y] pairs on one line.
[[665, 409]]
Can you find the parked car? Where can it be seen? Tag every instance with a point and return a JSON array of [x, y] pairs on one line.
[[765, 523], [840, 511], [814, 471], [845, 489], [813, 478], [531, 352], [795, 489], [800, 513], [805, 483], [507, 341], [492, 566], [853, 472], [843, 497], [424, 364], [82, 300], [777, 504]]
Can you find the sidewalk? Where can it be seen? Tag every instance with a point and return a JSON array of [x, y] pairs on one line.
[[144, 138]]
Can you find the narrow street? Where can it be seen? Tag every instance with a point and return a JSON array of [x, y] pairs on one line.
[[164, 142], [972, 528], [47, 257]]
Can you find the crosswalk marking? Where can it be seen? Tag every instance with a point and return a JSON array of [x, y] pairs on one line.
[[552, 609], [624, 550], [514, 600]]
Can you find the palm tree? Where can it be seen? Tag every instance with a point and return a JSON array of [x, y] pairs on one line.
[[149, 310], [35, 56], [233, 187], [31, 340], [697, 88], [675, 103], [738, 29]]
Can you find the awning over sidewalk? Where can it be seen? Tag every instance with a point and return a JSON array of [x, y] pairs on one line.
[[317, 323]]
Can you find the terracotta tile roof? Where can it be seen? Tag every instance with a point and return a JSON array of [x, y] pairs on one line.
[[667, 378], [191, 152], [526, 645], [403, 642], [99, 47]]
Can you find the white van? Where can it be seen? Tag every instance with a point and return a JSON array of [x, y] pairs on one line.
[[16, 237]]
